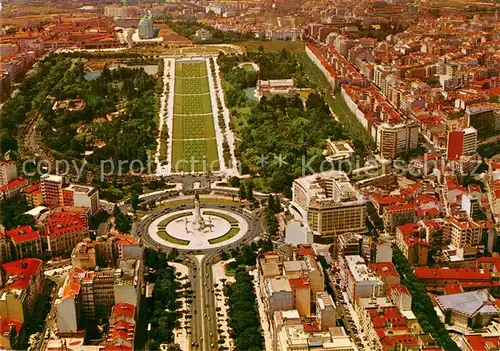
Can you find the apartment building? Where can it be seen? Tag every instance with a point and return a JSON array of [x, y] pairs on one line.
[[484, 117], [279, 295], [330, 204], [89, 295], [12, 188], [358, 279], [301, 294], [326, 311], [300, 337], [308, 267], [396, 215], [25, 241], [461, 143], [463, 231], [410, 239], [395, 138], [33, 195], [52, 190], [64, 230], [22, 285], [8, 172], [82, 196], [121, 333]]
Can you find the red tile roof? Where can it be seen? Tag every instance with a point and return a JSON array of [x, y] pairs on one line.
[[398, 289], [60, 223], [32, 188], [20, 272], [412, 241], [299, 283], [408, 229], [384, 269], [388, 199], [15, 184], [382, 317], [305, 250], [6, 325], [453, 274], [478, 342], [22, 234], [453, 288], [123, 309], [112, 346], [400, 208], [391, 341], [123, 239]]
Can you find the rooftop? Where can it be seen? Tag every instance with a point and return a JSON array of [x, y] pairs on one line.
[[469, 303], [22, 234], [452, 273], [19, 273], [384, 269]]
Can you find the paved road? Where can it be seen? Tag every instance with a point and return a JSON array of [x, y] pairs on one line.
[[203, 308]]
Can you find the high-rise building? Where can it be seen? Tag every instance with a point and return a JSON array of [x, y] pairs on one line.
[[396, 139], [145, 27], [329, 204], [82, 196], [326, 311], [461, 143], [358, 279], [8, 172], [52, 190], [89, 295]]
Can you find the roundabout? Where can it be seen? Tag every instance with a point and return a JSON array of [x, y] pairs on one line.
[[198, 229]]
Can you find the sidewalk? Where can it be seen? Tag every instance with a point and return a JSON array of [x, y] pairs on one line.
[[268, 338], [219, 274]]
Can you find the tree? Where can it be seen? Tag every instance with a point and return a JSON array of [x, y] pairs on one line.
[[12, 212], [134, 201], [123, 222], [270, 203], [277, 204], [242, 191], [234, 182], [249, 190]]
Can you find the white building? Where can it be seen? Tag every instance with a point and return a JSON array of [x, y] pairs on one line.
[[116, 11], [8, 172], [146, 30], [326, 311], [279, 295], [84, 196], [203, 34], [358, 279], [395, 139], [329, 204]]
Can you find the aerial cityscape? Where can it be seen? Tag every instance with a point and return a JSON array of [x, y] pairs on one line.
[[278, 175]]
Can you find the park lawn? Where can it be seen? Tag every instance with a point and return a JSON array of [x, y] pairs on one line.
[[232, 232], [195, 155], [185, 85], [167, 220], [191, 69], [194, 127], [192, 104], [162, 234], [228, 218]]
